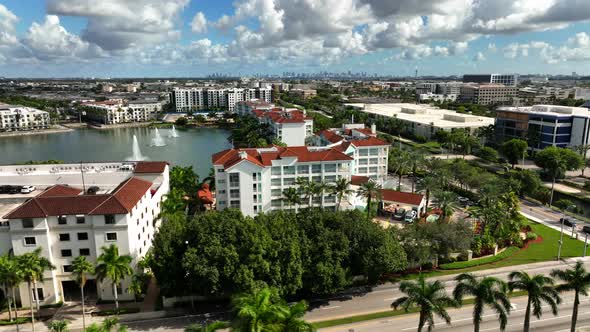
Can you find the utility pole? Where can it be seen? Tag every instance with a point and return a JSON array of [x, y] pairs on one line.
[[561, 232], [82, 172], [585, 245]]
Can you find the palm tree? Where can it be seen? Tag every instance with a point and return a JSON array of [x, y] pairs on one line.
[[341, 188], [58, 326], [136, 286], [256, 312], [416, 160], [81, 267], [306, 188], [108, 324], [291, 196], [429, 184], [399, 162], [291, 318], [206, 328], [446, 201], [576, 279], [369, 190], [33, 266], [539, 288], [114, 267], [488, 291], [319, 189], [7, 268], [13, 277], [429, 297]]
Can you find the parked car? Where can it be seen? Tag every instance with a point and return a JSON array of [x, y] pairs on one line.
[[567, 222], [4, 189], [410, 216], [27, 189], [400, 214], [92, 190], [463, 200], [586, 229], [14, 190]]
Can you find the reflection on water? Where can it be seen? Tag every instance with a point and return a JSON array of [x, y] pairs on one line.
[[192, 147]]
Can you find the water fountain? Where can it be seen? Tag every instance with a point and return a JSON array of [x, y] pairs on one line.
[[136, 154], [158, 140], [173, 133]]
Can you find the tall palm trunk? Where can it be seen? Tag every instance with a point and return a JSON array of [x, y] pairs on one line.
[[83, 309], [116, 296], [427, 199], [552, 185], [31, 305], [8, 300], [575, 313], [527, 316], [421, 321], [369, 207], [15, 309], [37, 307]]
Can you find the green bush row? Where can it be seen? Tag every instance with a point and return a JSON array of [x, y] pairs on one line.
[[120, 311], [476, 262]]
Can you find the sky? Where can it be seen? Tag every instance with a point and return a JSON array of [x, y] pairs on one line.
[[190, 38]]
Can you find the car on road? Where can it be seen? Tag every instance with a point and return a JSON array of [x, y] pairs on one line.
[[567, 222], [27, 189], [586, 229], [399, 214]]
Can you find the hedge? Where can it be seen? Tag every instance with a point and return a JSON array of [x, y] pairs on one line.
[[120, 311], [20, 320], [463, 265]]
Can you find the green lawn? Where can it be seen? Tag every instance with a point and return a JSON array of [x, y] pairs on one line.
[[536, 252]]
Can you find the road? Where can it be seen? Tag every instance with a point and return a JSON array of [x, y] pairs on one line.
[[550, 217], [462, 320]]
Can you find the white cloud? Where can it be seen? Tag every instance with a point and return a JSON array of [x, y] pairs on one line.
[[7, 26], [479, 56], [199, 23]]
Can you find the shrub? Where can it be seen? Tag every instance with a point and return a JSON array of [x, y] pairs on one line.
[[476, 262], [531, 236], [121, 311], [487, 153], [420, 139]]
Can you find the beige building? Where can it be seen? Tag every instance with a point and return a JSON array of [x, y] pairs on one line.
[[487, 94]]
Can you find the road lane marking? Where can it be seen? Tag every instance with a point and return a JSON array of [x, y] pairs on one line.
[[330, 308]]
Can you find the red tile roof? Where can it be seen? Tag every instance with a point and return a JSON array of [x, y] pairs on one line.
[[366, 131], [401, 197], [370, 141], [280, 116], [357, 180], [264, 157], [150, 167], [331, 136], [60, 190], [119, 201]]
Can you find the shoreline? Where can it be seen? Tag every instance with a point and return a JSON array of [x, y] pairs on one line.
[[62, 129]]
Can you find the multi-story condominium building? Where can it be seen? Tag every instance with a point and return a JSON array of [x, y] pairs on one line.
[[504, 79], [117, 111], [192, 99], [544, 125], [370, 154], [14, 118], [449, 88], [303, 93], [253, 180], [487, 94], [290, 126], [247, 107], [424, 120], [66, 219], [422, 88]]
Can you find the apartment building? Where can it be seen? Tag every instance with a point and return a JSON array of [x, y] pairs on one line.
[[67, 221], [117, 111], [303, 93], [504, 79], [187, 99], [253, 180], [487, 94], [15, 118], [544, 125], [423, 88], [370, 154], [248, 107], [290, 126]]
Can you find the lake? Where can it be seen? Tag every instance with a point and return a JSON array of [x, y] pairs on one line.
[[193, 146]]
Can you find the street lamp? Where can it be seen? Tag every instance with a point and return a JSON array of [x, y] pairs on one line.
[[585, 244], [561, 232]]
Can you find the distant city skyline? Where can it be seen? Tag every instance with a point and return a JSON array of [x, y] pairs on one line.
[[184, 38]]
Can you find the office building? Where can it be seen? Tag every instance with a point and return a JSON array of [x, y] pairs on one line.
[[488, 94], [370, 154], [253, 180], [77, 210], [544, 125], [16, 118], [424, 120], [203, 98], [504, 79], [437, 97]]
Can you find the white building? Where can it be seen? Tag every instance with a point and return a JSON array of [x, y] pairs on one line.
[[253, 180], [504, 79], [438, 97], [66, 222], [197, 98], [370, 154], [425, 120], [290, 126], [13, 118], [247, 107], [117, 111]]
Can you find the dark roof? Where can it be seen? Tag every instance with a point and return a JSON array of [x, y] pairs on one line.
[[401, 197], [357, 180], [150, 167], [119, 201]]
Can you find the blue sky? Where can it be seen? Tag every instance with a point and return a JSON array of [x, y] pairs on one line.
[[146, 38]]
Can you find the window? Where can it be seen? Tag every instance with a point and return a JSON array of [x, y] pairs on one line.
[[276, 192], [234, 179], [275, 182], [80, 220], [39, 294], [289, 181], [68, 268], [62, 220], [109, 219], [30, 241], [27, 223], [275, 170], [66, 253], [64, 237], [289, 170], [330, 168], [316, 168], [363, 152], [84, 252], [303, 169], [234, 193], [234, 204], [82, 236], [111, 236]]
